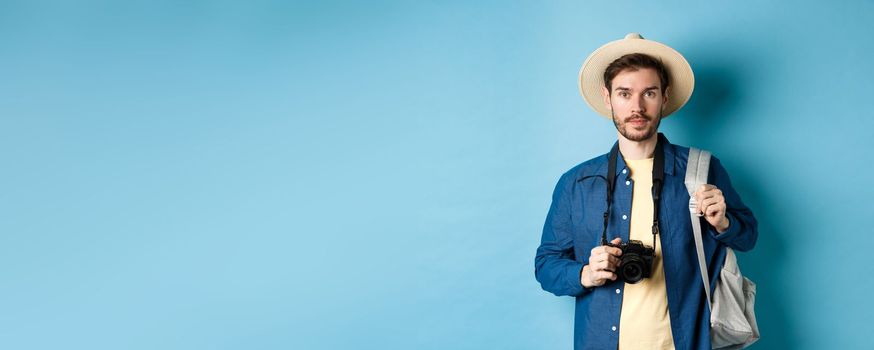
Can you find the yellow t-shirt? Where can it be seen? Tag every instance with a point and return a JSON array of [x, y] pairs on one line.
[[644, 322]]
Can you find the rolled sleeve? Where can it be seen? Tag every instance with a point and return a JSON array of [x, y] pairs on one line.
[[742, 230], [732, 231], [555, 265]]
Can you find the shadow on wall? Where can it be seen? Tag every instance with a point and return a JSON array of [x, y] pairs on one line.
[[720, 78]]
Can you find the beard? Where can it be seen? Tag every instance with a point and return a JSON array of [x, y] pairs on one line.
[[637, 133]]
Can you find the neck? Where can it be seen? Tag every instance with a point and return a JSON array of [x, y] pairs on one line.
[[635, 150]]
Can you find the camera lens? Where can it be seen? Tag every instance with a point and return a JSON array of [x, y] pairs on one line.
[[631, 269]]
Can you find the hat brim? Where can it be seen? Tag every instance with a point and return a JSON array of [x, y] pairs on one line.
[[682, 80]]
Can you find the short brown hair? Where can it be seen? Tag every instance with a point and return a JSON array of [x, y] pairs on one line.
[[633, 62]]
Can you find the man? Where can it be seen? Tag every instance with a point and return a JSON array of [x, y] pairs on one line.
[[637, 83]]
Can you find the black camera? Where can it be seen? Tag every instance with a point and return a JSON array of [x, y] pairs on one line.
[[636, 261]]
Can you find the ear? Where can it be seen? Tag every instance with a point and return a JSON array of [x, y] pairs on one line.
[[606, 95]]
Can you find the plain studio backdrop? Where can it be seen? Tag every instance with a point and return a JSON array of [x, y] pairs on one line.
[[375, 175]]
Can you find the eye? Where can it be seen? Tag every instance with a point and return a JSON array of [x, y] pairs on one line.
[[650, 93], [623, 94]]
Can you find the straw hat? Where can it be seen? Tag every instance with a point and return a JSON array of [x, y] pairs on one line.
[[682, 81]]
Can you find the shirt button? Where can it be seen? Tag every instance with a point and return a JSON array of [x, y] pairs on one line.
[[624, 217], [617, 290], [624, 171], [627, 183], [614, 328]]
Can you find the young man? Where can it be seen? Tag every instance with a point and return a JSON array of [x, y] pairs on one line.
[[636, 83]]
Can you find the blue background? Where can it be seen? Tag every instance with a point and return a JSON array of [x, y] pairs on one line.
[[375, 175]]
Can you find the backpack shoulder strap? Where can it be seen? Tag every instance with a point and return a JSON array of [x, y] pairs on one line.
[[696, 175]]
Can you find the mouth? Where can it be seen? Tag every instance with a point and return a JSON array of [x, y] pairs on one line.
[[637, 121]]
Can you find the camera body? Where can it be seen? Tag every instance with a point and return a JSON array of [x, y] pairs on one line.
[[636, 261]]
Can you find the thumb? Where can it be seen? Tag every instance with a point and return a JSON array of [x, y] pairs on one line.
[[616, 240]]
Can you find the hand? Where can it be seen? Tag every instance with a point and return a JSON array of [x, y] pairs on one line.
[[603, 262], [711, 205]]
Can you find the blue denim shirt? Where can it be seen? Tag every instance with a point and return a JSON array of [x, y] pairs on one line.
[[573, 227]]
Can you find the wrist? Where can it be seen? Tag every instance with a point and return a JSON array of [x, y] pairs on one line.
[[723, 225], [583, 273]]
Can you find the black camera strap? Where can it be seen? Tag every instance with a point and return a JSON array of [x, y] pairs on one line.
[[658, 179]]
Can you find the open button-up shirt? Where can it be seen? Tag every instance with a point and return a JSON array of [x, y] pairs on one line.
[[573, 227]]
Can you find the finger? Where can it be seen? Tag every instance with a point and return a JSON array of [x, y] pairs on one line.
[[703, 207], [706, 191], [599, 259], [597, 282], [601, 265], [707, 198], [703, 196], [606, 275], [598, 277], [613, 261], [715, 192], [711, 211], [699, 198], [593, 261], [715, 213], [705, 187], [607, 262], [711, 201], [708, 210], [700, 205], [599, 250], [593, 277], [717, 210]]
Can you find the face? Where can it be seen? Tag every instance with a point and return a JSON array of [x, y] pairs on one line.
[[636, 102]]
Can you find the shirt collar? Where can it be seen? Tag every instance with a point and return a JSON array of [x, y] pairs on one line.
[[670, 160]]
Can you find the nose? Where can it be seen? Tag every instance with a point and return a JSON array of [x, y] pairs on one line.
[[637, 105]]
